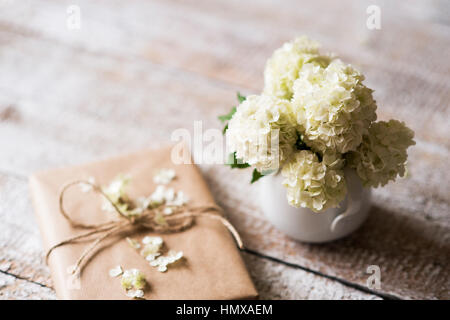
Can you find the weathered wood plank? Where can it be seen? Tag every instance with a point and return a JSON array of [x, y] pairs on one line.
[[275, 281], [21, 250]]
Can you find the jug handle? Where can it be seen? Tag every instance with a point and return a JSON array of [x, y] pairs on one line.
[[350, 210]]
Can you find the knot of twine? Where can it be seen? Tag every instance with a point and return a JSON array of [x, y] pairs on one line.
[[179, 220]]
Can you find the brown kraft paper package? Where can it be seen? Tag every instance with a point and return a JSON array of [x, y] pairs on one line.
[[212, 268]]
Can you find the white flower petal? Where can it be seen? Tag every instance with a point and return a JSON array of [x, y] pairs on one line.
[[152, 240], [87, 187], [162, 268], [152, 256], [135, 293], [164, 176], [133, 243], [115, 272]]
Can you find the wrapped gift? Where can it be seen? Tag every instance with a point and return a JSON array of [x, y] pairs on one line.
[[212, 267]]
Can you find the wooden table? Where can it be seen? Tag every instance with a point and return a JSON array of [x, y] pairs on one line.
[[137, 70]]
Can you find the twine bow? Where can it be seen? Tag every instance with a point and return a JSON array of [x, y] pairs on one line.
[[181, 219]]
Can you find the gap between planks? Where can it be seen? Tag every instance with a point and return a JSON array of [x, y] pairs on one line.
[[16, 276]]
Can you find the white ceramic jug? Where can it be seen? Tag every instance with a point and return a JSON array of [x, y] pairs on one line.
[[305, 225]]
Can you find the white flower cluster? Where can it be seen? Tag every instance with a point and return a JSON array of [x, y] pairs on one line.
[[283, 68], [311, 183], [333, 107], [263, 132], [382, 155], [323, 117]]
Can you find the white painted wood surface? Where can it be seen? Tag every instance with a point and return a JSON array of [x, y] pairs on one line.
[[136, 71]]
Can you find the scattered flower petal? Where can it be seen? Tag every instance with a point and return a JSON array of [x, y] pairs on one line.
[[139, 294], [168, 196], [115, 272], [133, 243], [85, 187], [180, 200], [107, 206], [152, 256], [162, 268], [152, 240], [157, 197], [116, 189], [164, 176], [163, 261], [176, 255], [155, 263], [152, 245], [168, 211]]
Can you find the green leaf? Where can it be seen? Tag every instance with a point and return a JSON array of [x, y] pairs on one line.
[[233, 162], [228, 116], [300, 144], [256, 176], [225, 129], [240, 97]]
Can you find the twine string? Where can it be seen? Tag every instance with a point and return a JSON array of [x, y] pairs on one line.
[[179, 220]]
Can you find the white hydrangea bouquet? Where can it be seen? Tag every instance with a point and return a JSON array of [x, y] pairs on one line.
[[314, 118]]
